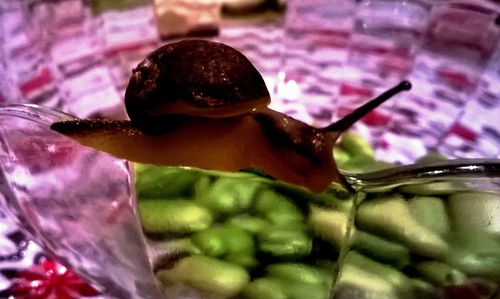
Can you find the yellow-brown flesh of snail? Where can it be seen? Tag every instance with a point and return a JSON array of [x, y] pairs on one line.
[[226, 144], [281, 146]]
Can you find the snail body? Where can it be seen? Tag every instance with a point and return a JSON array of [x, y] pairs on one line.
[[203, 104]]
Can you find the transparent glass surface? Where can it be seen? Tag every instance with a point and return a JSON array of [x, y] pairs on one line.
[[77, 203], [425, 231], [207, 234], [421, 231]]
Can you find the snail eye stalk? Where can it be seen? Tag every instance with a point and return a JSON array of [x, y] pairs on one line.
[[347, 121]]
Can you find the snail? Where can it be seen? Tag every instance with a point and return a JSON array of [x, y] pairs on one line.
[[192, 78], [203, 104]]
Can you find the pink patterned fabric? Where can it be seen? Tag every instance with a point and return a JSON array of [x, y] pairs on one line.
[[59, 54]]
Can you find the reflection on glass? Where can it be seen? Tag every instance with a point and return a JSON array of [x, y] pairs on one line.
[[410, 232]]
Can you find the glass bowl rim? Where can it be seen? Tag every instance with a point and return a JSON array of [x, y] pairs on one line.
[[482, 172]]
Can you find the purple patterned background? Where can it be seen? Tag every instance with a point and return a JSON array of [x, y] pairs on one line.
[[61, 54]]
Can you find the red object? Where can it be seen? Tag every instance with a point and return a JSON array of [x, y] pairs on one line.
[[130, 47], [463, 132], [376, 118], [330, 38], [351, 90], [43, 153], [462, 292], [50, 280], [43, 78], [455, 78]]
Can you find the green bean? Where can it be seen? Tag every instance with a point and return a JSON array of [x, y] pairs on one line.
[[401, 282], [202, 185], [178, 245], [284, 242], [341, 157], [330, 225], [356, 145], [228, 196], [335, 196], [247, 260], [301, 273], [274, 287], [390, 216], [278, 209], [238, 241], [208, 275], [247, 223], [296, 290], [358, 278], [476, 211], [474, 253], [154, 181], [381, 249], [431, 157], [173, 216], [224, 239], [430, 211], [440, 273], [421, 288], [264, 288], [209, 243]]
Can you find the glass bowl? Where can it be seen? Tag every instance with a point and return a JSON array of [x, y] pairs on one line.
[[428, 230], [418, 231]]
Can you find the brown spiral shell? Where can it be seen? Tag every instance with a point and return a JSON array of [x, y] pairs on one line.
[[192, 77]]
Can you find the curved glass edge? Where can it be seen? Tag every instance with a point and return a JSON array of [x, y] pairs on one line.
[[40, 114], [485, 172], [443, 176], [144, 285]]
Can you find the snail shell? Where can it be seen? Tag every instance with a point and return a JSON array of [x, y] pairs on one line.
[[192, 77]]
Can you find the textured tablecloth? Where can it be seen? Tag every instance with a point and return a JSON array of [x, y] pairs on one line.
[[62, 56]]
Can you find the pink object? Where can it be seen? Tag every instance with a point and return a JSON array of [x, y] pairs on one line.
[[49, 279]]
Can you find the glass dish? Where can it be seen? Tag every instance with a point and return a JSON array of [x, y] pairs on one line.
[[428, 230], [75, 202], [409, 232]]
